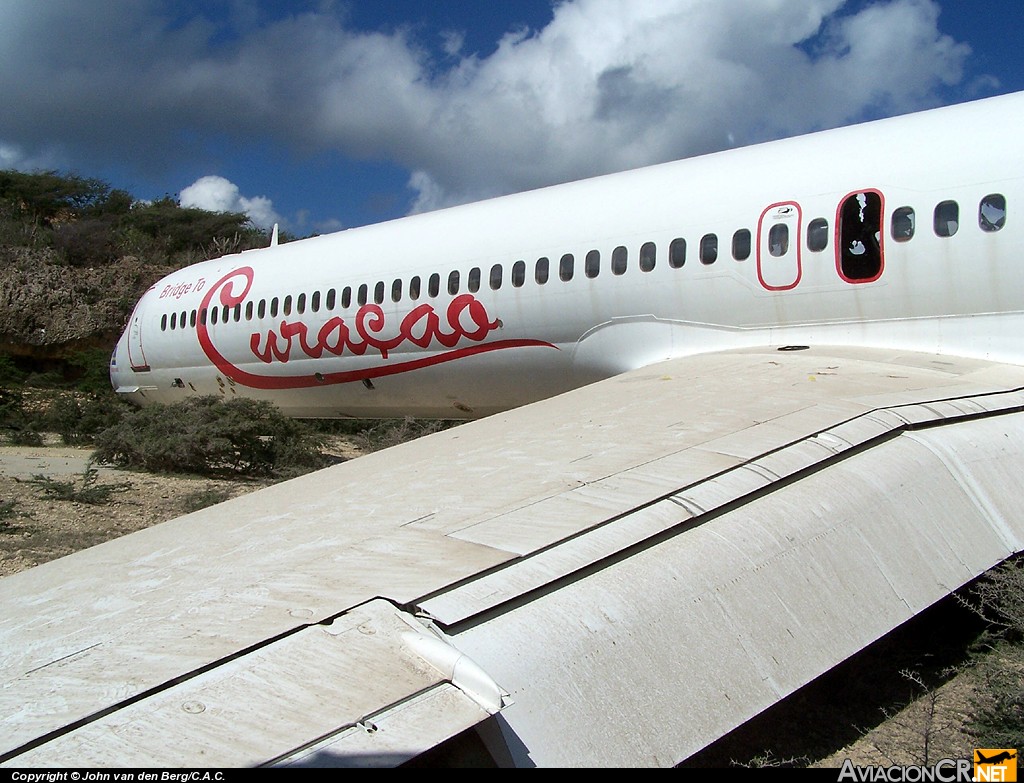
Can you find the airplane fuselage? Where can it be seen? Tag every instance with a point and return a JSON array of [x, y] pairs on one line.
[[898, 233]]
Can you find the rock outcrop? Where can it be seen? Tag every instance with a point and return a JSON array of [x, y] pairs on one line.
[[49, 310]]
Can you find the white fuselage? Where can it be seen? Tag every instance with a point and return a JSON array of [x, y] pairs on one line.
[[449, 313]]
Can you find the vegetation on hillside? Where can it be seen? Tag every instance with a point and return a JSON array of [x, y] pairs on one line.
[[89, 223]]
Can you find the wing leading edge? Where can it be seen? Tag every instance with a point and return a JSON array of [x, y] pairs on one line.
[[642, 565]]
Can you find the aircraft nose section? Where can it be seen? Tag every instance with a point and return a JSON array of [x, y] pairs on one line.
[[122, 378]]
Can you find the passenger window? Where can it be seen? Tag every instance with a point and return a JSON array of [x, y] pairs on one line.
[[261, 311], [396, 291], [332, 297], [817, 235], [709, 248], [378, 292], [192, 317], [314, 302], [346, 298], [902, 228], [495, 277], [541, 272], [224, 316], [566, 267], [778, 240], [992, 212], [677, 253], [414, 288], [238, 314], [453, 282], [362, 294], [474, 280], [202, 315], [248, 311], [947, 218], [300, 304], [619, 258], [648, 256], [741, 244], [434, 285], [163, 322], [214, 313], [860, 236], [518, 274], [273, 310], [287, 306], [174, 321], [592, 265]]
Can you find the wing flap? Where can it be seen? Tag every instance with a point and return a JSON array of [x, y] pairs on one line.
[[351, 690]]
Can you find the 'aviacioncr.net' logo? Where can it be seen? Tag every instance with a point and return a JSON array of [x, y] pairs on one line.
[[995, 764]]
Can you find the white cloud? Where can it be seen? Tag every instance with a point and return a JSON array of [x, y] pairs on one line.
[[217, 194], [606, 85]]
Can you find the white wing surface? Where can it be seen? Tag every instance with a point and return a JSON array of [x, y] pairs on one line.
[[619, 575]]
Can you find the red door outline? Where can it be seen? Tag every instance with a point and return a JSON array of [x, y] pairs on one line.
[[780, 271]]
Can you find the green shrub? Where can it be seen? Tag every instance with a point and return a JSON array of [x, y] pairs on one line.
[[8, 510], [86, 490], [390, 432], [10, 373], [202, 498], [204, 435], [79, 421], [18, 426], [997, 720]]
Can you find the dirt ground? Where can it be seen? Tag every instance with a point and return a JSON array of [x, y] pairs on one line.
[[35, 528]]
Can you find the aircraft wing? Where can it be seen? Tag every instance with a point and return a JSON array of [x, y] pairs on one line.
[[616, 576]]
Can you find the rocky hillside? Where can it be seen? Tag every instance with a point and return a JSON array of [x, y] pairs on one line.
[[75, 255], [50, 311]]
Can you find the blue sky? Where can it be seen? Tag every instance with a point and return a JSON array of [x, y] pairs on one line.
[[327, 114]]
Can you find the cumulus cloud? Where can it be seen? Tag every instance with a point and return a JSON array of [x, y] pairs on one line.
[[604, 86], [217, 194]]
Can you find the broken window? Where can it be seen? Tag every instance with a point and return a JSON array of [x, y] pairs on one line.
[[709, 248], [518, 273], [648, 256], [992, 212], [860, 243], [902, 228], [947, 218], [565, 268], [619, 257], [817, 235], [741, 244], [778, 240], [677, 253], [541, 271]]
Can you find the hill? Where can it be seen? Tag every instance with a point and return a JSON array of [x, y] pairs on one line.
[[76, 254]]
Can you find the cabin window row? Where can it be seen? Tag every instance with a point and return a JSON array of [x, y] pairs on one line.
[[945, 223], [362, 294]]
